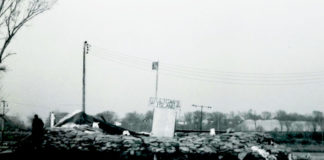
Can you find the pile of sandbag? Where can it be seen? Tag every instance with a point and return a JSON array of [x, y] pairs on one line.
[[237, 145]]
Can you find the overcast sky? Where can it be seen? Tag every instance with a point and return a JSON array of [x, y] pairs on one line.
[[231, 55]]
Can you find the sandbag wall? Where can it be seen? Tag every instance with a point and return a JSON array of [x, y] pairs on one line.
[[223, 146]]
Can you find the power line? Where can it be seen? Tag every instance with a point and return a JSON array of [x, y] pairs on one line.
[[122, 54], [140, 65], [207, 70], [143, 64], [225, 81], [134, 66], [188, 76], [223, 77], [184, 71]]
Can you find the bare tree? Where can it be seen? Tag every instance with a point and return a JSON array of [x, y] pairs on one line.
[[281, 116], [14, 14], [288, 124], [319, 121], [217, 120], [266, 115], [253, 116]]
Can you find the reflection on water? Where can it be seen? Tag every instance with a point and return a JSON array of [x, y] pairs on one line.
[[315, 156]]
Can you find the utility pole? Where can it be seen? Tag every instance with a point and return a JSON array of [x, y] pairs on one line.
[[85, 51], [157, 81], [201, 113], [3, 118], [155, 66]]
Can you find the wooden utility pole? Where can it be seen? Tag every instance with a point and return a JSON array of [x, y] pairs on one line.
[[3, 119], [85, 51], [201, 113]]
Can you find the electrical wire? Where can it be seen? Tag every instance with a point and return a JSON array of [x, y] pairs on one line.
[[205, 70], [218, 77]]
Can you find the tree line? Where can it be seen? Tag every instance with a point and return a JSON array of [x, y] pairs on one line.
[[223, 121], [142, 122], [220, 121]]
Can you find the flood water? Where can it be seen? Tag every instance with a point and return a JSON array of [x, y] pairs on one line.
[[315, 156]]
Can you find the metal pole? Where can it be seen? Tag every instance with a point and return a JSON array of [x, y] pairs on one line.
[[201, 114], [157, 81], [156, 96], [84, 74], [156, 85], [3, 120]]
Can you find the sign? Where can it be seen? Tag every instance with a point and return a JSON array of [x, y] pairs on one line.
[[163, 122], [164, 116], [164, 103], [155, 65]]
